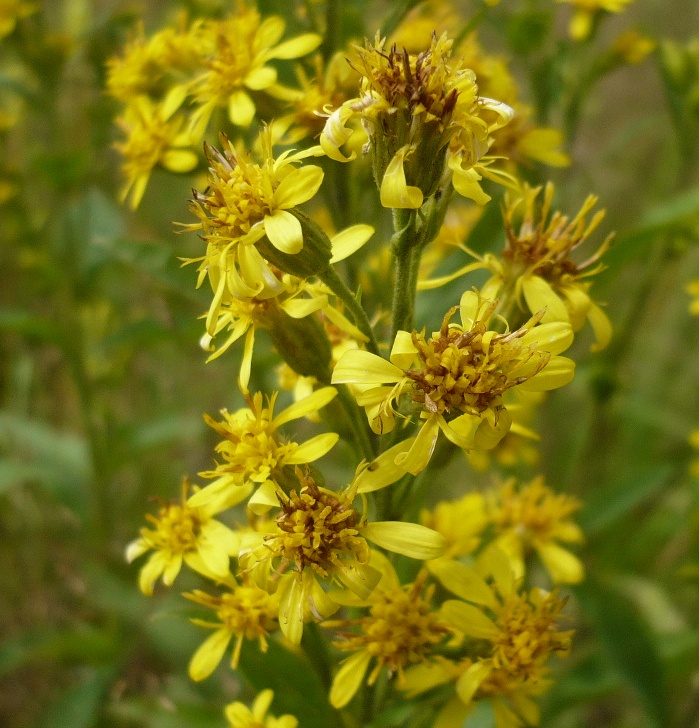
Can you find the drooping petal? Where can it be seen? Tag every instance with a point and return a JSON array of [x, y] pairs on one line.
[[264, 498], [136, 548], [349, 678], [383, 470], [403, 350], [151, 570], [361, 579], [416, 459], [206, 659], [601, 326], [395, 191], [557, 373], [409, 539], [291, 598], [284, 232], [554, 337], [466, 182]]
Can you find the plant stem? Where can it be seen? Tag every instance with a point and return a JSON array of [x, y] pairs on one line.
[[357, 421], [338, 287]]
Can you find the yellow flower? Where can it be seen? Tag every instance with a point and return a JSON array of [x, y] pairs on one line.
[[320, 537], [421, 113], [184, 533], [243, 44], [240, 716], [632, 47], [460, 521], [246, 203], [400, 629], [153, 137], [537, 262], [254, 452], [692, 288], [532, 516], [11, 11], [584, 12], [457, 378], [522, 633], [243, 612]]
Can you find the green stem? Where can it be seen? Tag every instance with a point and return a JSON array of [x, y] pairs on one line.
[[338, 287], [407, 253], [357, 421], [333, 25]]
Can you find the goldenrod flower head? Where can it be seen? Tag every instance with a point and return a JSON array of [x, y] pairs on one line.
[[538, 261], [531, 516], [183, 533], [417, 109], [242, 46], [253, 450], [400, 629], [245, 612], [154, 136], [240, 716], [246, 203], [584, 12], [692, 288], [13, 10], [460, 521], [321, 537], [457, 377], [156, 65], [522, 631]]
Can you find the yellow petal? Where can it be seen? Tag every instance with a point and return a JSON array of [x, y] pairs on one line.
[[564, 567], [291, 598], [246, 361], [362, 366], [260, 78], [299, 308], [309, 404], [361, 579], [416, 459], [335, 133], [557, 373], [466, 183], [137, 548], [179, 160], [206, 659], [313, 449], [403, 350], [463, 581], [172, 569], [284, 231], [409, 539], [241, 109], [264, 498], [349, 678], [469, 620], [395, 191], [538, 294], [151, 570], [383, 470], [453, 714], [425, 676], [349, 241], [553, 337], [298, 187], [299, 46], [471, 680], [493, 428]]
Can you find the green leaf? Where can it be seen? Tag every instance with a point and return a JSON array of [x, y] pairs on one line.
[[627, 644], [612, 503], [28, 324]]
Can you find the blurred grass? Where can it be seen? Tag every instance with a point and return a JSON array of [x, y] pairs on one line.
[[103, 386]]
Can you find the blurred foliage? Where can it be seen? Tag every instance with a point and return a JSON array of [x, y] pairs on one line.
[[103, 383]]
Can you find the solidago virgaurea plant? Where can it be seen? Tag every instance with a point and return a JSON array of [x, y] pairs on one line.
[[352, 524]]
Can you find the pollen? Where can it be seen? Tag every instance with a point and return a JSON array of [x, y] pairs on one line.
[[532, 509], [317, 529], [528, 638], [400, 629], [466, 371]]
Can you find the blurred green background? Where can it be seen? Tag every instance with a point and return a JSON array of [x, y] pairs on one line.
[[103, 383]]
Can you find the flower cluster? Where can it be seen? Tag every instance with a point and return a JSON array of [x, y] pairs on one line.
[[454, 605]]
